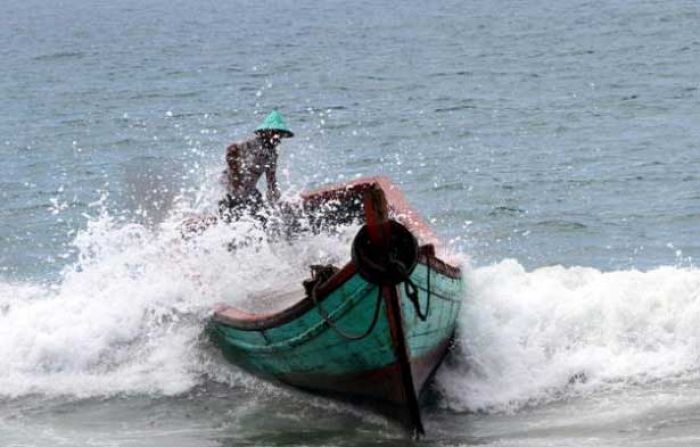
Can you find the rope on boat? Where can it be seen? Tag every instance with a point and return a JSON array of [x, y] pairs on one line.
[[411, 288], [392, 264], [326, 317], [389, 266]]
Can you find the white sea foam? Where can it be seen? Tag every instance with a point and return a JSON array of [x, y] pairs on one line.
[[534, 336], [129, 315]]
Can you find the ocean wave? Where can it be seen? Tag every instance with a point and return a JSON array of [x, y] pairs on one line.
[[528, 337], [128, 316]]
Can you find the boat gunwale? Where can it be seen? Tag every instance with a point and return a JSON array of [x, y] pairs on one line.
[[247, 321]]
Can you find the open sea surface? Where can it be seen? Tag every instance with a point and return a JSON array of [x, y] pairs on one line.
[[554, 145]]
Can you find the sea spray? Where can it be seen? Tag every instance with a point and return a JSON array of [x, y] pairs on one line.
[[128, 315], [528, 337]]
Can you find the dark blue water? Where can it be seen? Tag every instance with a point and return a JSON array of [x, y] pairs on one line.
[[553, 145]]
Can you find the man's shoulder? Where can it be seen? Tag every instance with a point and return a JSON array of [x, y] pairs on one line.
[[253, 141]]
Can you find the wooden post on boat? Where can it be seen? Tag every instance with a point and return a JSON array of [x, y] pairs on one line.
[[379, 232], [377, 216]]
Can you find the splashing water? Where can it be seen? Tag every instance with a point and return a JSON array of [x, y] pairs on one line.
[[556, 332], [128, 316]]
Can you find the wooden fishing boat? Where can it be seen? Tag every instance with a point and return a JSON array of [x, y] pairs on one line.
[[372, 331]]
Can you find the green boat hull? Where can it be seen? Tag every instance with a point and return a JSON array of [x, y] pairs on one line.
[[310, 352]]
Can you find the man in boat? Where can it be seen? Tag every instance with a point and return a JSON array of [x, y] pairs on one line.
[[246, 162]]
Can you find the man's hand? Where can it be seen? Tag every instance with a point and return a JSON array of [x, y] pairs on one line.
[[273, 194]]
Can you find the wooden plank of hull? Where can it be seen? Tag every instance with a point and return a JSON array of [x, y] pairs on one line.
[[381, 389], [381, 383]]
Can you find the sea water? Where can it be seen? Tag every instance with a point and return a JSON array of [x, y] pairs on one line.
[[553, 145]]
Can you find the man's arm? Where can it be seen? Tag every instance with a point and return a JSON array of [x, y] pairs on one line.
[[233, 161], [273, 192]]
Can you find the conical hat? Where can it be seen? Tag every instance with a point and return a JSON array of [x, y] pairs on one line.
[[274, 121]]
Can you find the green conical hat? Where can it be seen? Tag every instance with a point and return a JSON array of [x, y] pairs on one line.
[[274, 121]]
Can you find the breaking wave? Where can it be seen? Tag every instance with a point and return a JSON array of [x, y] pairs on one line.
[[128, 316], [528, 337]]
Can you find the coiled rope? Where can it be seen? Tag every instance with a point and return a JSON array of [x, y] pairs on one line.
[[326, 317], [411, 288], [388, 266]]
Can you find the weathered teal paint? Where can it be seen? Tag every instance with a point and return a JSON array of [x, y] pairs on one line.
[[307, 345], [445, 302]]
